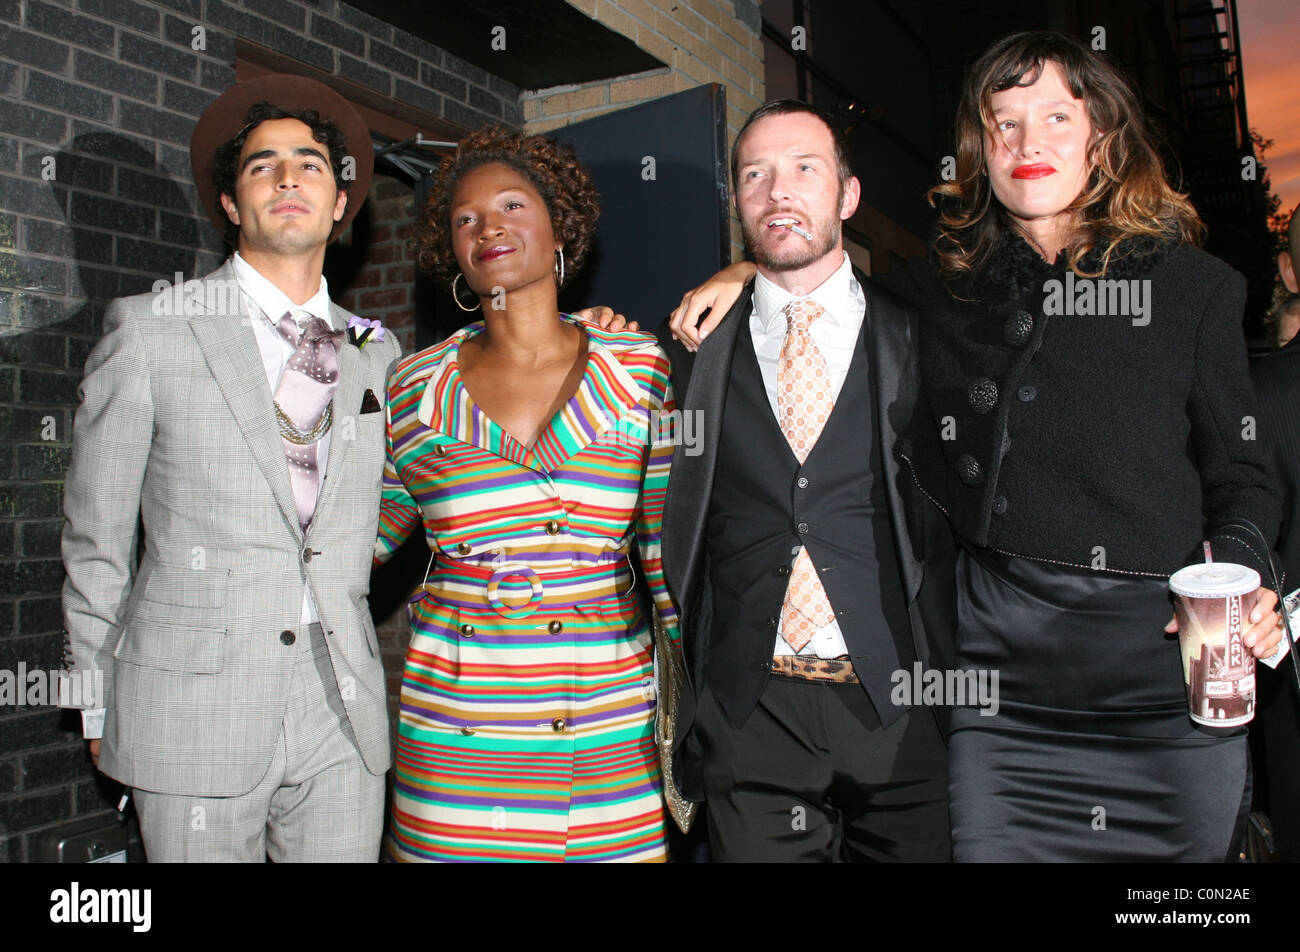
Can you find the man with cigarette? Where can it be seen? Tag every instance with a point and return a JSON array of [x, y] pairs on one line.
[[808, 569], [242, 425]]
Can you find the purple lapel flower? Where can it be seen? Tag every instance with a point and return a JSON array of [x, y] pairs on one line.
[[362, 331]]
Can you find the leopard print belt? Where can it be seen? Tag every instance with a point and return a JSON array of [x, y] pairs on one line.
[[836, 670]]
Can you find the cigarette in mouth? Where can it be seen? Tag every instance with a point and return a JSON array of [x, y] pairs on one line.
[[789, 223]]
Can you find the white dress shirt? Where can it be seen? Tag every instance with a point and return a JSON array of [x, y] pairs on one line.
[[258, 292], [836, 335]]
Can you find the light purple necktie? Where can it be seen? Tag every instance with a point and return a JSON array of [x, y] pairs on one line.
[[303, 402]]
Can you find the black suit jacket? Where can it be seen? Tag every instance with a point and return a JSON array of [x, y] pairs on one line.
[[922, 537]]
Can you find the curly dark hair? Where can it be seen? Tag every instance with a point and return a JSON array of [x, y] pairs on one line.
[[555, 172], [225, 164]]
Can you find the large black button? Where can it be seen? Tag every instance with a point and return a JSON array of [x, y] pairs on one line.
[[783, 570], [771, 621], [802, 528], [982, 395], [287, 637], [1018, 328], [969, 470], [999, 505], [1027, 393], [802, 482], [307, 554]]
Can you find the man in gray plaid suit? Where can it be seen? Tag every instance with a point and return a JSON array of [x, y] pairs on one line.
[[239, 419]]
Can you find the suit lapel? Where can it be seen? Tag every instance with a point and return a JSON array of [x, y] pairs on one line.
[[893, 362], [347, 404], [229, 346], [690, 482]]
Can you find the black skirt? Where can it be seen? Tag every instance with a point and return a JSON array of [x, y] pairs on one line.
[[1091, 755]]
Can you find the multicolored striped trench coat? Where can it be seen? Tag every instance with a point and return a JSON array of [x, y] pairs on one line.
[[527, 705]]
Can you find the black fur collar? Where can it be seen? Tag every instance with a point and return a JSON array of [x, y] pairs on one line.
[[1014, 268]]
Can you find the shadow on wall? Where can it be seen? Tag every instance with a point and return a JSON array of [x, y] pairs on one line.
[[122, 214], [101, 217]]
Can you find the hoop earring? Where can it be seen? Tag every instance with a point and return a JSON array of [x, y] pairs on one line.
[[456, 297], [559, 270]]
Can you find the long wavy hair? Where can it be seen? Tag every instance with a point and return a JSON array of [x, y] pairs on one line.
[[1126, 194], [554, 170]]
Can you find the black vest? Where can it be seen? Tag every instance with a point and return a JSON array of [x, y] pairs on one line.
[[764, 505]]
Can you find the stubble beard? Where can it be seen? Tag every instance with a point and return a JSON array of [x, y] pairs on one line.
[[293, 240], [795, 252]]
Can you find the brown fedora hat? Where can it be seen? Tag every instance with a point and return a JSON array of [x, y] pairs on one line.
[[228, 114]]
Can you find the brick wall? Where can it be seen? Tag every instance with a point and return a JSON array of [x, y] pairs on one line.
[[97, 102], [702, 41], [383, 288]]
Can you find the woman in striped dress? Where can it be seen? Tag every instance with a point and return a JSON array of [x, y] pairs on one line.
[[529, 446]]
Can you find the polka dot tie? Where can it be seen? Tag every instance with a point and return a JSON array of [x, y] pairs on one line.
[[306, 388], [804, 401]]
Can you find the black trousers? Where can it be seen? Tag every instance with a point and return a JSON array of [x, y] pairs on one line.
[[813, 777]]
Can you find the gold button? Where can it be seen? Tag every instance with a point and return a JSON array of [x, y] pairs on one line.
[[464, 548], [557, 725], [439, 450], [555, 627], [467, 729], [467, 631], [552, 528]]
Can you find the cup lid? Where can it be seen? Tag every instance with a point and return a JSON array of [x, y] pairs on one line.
[[1214, 580]]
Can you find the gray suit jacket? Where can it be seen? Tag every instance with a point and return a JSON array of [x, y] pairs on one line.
[[176, 431]]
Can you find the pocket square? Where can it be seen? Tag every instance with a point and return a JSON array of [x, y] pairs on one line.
[[370, 403]]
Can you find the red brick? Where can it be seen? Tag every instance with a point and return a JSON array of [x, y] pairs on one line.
[[392, 297]]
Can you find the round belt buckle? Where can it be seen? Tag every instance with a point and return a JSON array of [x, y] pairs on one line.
[[514, 571]]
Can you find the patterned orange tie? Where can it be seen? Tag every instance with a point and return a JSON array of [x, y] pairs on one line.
[[804, 401]]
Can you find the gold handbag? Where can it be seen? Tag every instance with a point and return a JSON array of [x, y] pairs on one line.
[[670, 680]]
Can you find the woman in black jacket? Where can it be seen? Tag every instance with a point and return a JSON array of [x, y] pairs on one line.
[[1085, 365]]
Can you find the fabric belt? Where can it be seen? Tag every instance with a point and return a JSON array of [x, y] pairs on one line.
[[517, 590], [833, 670]]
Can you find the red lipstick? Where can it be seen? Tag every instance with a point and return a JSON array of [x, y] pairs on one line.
[[493, 253], [1033, 171]]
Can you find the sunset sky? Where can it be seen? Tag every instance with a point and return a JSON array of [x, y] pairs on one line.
[[1270, 53]]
